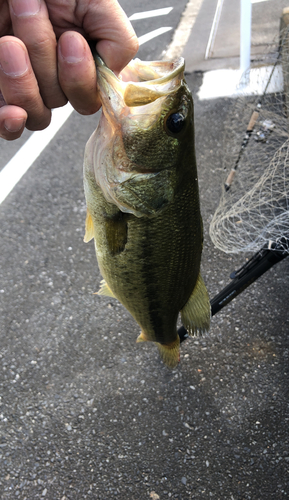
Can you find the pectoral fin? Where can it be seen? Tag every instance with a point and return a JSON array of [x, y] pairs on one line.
[[105, 290], [116, 233], [197, 312], [89, 232]]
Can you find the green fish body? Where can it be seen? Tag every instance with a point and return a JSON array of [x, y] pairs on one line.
[[141, 188]]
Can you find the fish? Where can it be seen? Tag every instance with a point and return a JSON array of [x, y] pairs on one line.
[[142, 196]]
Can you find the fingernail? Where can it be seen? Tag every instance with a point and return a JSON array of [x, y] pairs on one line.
[[72, 49], [14, 125], [13, 60], [25, 7]]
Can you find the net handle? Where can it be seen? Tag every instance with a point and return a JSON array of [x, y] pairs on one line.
[[253, 121]]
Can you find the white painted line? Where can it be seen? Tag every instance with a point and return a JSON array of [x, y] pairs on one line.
[[226, 82], [27, 154], [150, 13], [183, 31], [152, 34]]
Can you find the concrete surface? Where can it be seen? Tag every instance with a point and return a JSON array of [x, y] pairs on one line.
[[226, 48]]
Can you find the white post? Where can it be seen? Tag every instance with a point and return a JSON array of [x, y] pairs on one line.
[[245, 35]]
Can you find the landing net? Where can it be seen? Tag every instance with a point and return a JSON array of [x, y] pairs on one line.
[[254, 211]]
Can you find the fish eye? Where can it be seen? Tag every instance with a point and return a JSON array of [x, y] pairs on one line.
[[175, 123]]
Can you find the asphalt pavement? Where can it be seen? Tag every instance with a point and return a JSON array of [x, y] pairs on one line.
[[85, 412]]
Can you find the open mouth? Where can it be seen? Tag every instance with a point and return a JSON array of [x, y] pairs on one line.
[[140, 82]]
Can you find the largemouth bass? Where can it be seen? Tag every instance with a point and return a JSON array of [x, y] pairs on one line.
[[141, 189]]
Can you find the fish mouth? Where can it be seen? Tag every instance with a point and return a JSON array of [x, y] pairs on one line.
[[140, 83]]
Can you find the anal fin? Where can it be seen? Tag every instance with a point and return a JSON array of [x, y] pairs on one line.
[[196, 314]]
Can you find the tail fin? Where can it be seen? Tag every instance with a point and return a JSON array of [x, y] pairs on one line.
[[170, 353]]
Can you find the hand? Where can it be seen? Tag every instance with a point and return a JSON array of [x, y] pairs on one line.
[[48, 60]]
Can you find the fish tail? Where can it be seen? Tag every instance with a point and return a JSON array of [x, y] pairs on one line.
[[170, 353]]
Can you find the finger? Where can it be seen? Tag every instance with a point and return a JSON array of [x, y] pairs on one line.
[[31, 24], [18, 83], [12, 122], [108, 23], [77, 74]]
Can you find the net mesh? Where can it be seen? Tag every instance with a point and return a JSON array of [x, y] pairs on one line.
[[254, 211]]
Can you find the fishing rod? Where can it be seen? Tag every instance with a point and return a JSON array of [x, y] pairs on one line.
[[260, 263], [254, 118]]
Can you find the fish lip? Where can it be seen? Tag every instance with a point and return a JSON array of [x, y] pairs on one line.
[[178, 66], [132, 92]]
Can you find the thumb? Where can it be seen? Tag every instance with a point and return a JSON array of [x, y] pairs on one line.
[[106, 22]]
